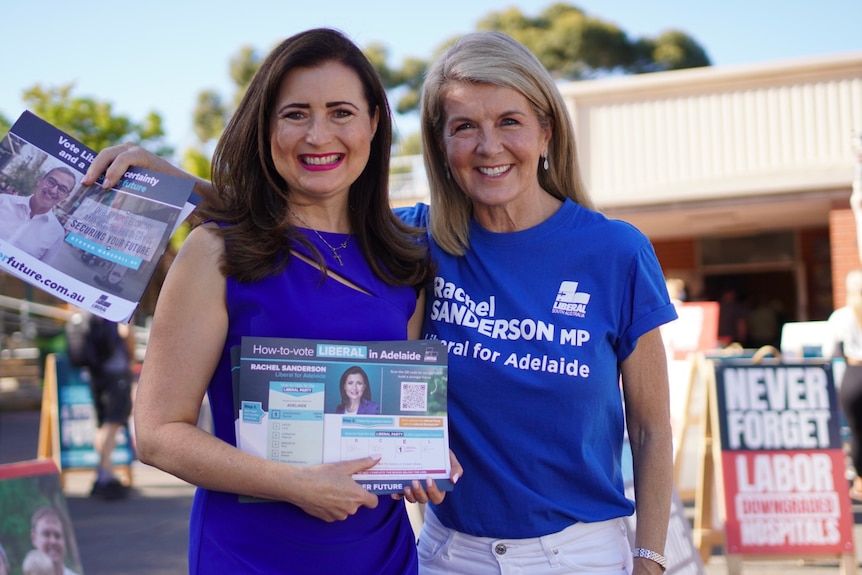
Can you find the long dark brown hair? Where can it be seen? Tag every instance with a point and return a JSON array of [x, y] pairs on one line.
[[342, 383], [252, 199]]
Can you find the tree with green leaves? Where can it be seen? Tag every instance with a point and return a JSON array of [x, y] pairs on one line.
[[572, 45], [5, 124], [211, 113], [92, 122]]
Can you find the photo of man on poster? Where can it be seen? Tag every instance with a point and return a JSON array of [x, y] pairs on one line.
[[28, 222], [34, 517], [48, 535]]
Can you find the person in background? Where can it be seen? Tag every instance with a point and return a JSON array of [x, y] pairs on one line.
[[845, 332], [765, 321], [676, 290], [356, 393], [733, 314], [558, 305], [28, 222], [48, 535], [299, 242], [111, 382]]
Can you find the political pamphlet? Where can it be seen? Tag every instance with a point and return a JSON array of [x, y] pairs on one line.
[[307, 402], [94, 247]]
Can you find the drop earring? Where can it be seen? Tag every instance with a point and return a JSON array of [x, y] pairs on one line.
[[545, 157]]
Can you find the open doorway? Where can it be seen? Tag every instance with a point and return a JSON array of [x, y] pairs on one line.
[[753, 305]]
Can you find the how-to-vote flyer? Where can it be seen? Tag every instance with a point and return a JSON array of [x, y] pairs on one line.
[[306, 402]]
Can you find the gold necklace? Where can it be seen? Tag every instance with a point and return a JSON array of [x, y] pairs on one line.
[[334, 250]]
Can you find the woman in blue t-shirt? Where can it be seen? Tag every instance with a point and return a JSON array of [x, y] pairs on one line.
[[551, 313]]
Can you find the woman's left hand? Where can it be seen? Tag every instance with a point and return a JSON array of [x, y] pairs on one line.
[[417, 493]]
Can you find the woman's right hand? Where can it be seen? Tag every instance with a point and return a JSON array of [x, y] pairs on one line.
[[329, 492]]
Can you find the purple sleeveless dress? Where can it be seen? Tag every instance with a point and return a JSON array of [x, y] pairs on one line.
[[227, 536]]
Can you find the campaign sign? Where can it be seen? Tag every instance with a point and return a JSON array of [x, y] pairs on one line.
[[783, 467], [695, 329], [77, 421], [34, 520]]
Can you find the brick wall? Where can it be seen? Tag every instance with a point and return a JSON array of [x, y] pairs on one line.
[[845, 253], [676, 254]]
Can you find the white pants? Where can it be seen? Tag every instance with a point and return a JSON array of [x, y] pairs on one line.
[[581, 548]]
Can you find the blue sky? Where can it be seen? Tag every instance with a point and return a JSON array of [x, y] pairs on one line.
[[157, 55]]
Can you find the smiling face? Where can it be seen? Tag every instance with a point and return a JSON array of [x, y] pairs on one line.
[[354, 387], [51, 189], [47, 537], [321, 130], [493, 141]]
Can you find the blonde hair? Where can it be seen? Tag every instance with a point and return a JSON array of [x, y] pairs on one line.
[[37, 563], [494, 59]]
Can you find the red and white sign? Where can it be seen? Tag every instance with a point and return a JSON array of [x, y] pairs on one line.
[[695, 329], [783, 468], [787, 502]]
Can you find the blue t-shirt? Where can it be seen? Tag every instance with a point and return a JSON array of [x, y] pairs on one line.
[[537, 323]]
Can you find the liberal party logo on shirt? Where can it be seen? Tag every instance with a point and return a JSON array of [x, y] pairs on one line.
[[570, 301]]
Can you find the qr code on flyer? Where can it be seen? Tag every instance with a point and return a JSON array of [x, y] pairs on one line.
[[414, 396]]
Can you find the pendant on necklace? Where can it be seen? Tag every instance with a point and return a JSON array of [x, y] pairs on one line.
[[334, 251]]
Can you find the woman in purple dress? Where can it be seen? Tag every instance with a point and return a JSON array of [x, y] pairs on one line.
[[299, 242]]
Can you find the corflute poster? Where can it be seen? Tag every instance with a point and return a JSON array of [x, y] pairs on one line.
[[783, 466]]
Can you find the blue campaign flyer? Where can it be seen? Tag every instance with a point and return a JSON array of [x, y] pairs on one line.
[[307, 402], [96, 248]]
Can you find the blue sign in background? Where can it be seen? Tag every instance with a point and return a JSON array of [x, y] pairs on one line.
[[77, 421]]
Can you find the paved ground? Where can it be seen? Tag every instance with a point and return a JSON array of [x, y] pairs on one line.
[[146, 534]]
